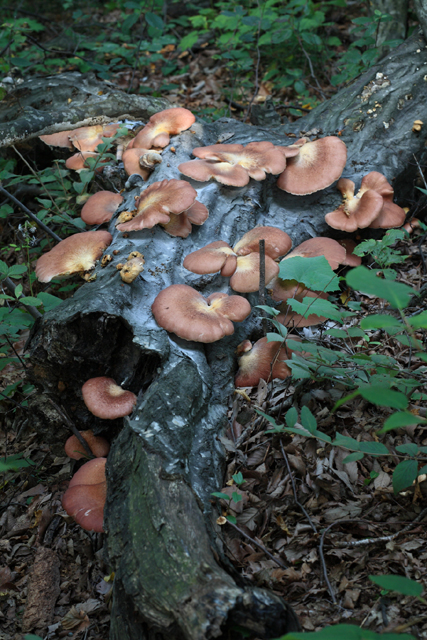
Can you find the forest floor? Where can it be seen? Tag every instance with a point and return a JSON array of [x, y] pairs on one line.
[[308, 527], [319, 558]]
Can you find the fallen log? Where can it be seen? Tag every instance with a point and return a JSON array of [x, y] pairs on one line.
[[172, 580]]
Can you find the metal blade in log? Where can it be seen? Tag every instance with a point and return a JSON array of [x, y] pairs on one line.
[[171, 580]]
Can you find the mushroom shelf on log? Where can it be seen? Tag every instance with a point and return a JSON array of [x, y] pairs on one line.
[[168, 458]]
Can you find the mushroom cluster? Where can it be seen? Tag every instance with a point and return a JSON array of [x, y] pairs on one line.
[[242, 263], [170, 203], [234, 164], [282, 289], [372, 207], [143, 152], [86, 140], [182, 310]]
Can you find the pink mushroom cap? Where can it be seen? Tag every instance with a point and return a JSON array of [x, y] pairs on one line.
[[85, 497], [317, 165], [75, 254], [101, 207], [182, 310], [105, 399], [98, 445]]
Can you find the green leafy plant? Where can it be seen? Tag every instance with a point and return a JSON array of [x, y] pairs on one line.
[[375, 377], [383, 251], [12, 463]]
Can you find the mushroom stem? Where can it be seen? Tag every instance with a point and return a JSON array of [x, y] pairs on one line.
[[150, 159]]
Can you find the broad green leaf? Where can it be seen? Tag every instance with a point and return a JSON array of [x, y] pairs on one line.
[[308, 420], [401, 419], [384, 397], [314, 273], [34, 302], [270, 310], [17, 270], [346, 442], [364, 280], [238, 478], [409, 448], [404, 475], [373, 448], [236, 496], [315, 306], [232, 519], [49, 301], [11, 463], [274, 337], [353, 457], [401, 584], [218, 494], [291, 417], [380, 321], [419, 321], [423, 470]]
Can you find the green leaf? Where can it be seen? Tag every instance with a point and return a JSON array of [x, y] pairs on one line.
[[380, 321], [353, 457], [49, 301], [232, 519], [404, 475], [11, 463], [274, 337], [346, 442], [419, 321], [384, 397], [373, 448], [17, 270], [364, 280], [291, 417], [270, 310], [31, 636], [218, 494], [238, 478], [400, 419], [314, 273], [34, 302], [308, 420], [315, 306], [401, 584], [236, 496], [410, 448]]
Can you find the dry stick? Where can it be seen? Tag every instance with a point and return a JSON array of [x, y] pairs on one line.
[[259, 545], [261, 291], [71, 426], [358, 543], [32, 310], [31, 215], [35, 174], [257, 66], [322, 557], [311, 68], [297, 502]]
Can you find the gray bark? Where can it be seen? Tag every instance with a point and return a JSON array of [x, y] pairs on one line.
[[163, 466], [421, 11], [394, 29], [41, 106]]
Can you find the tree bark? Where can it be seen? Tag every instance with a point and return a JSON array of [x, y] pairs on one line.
[[171, 577]]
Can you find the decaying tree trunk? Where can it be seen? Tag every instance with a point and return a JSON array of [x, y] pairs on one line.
[[171, 578]]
